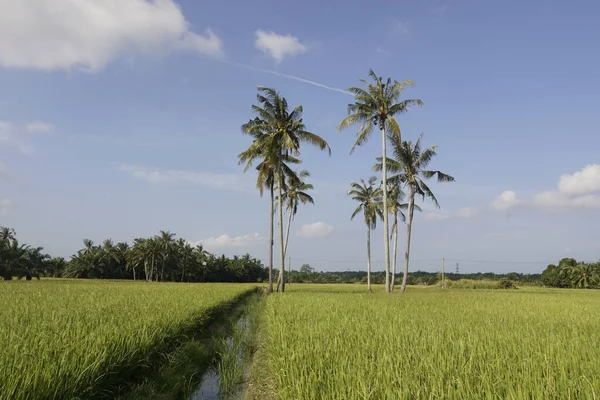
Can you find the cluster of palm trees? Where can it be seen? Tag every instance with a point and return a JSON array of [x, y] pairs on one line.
[[278, 133], [160, 258], [572, 274], [23, 261]]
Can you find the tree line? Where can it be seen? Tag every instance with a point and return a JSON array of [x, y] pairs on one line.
[[570, 273], [159, 258], [278, 134], [307, 274]]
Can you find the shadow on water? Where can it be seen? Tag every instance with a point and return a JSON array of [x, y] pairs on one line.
[[225, 379]]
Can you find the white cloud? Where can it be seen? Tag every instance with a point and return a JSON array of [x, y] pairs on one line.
[[4, 205], [584, 181], [39, 127], [506, 200], [555, 200], [18, 136], [468, 212], [278, 46], [580, 190], [225, 241], [401, 28], [209, 179], [436, 217], [315, 230], [89, 34]]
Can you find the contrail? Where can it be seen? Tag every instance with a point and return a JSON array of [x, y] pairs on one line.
[[295, 78]]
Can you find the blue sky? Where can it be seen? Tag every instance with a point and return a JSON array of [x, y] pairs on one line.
[[121, 118]]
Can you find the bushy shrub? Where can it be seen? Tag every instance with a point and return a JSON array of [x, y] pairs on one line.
[[506, 284]]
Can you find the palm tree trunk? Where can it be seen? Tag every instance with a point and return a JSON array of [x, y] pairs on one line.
[[287, 235], [287, 238], [386, 226], [395, 232], [271, 242], [369, 258], [281, 244], [411, 203]]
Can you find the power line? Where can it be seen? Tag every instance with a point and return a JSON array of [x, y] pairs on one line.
[[426, 260]]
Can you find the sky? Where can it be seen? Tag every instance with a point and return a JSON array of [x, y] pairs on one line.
[[121, 118]]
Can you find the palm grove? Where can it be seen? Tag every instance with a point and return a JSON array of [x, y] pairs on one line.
[[278, 134], [158, 258]]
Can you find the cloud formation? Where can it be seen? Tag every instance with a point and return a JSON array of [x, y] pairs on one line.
[[315, 230], [89, 34], [226, 241], [278, 46], [506, 200], [209, 179], [580, 190], [19, 136]]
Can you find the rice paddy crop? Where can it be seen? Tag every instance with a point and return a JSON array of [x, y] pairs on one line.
[[339, 342], [84, 339]]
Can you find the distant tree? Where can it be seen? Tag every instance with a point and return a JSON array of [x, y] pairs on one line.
[[306, 269], [583, 276], [369, 198]]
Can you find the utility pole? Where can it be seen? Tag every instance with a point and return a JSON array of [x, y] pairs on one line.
[[457, 269], [443, 276], [289, 269]]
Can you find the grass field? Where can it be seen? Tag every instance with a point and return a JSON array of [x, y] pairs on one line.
[[339, 342], [77, 338]]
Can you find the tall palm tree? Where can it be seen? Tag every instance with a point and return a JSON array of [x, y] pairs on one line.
[[370, 199], [409, 164], [294, 195], [266, 175], [376, 105], [278, 133]]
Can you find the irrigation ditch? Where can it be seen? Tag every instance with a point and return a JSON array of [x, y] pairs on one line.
[[210, 362]]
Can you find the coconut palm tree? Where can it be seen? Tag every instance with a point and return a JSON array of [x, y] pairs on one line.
[[278, 133], [395, 206], [165, 241], [294, 195], [266, 170], [376, 105], [369, 198], [409, 164], [583, 276]]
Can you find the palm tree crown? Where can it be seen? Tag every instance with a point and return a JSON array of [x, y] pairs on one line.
[[410, 163], [376, 106], [369, 198]]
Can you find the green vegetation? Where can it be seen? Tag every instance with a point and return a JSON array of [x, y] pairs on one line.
[[69, 338], [377, 105], [278, 134], [342, 343], [572, 274], [159, 258]]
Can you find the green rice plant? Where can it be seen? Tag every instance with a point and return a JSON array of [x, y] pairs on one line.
[[338, 342], [88, 339]]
